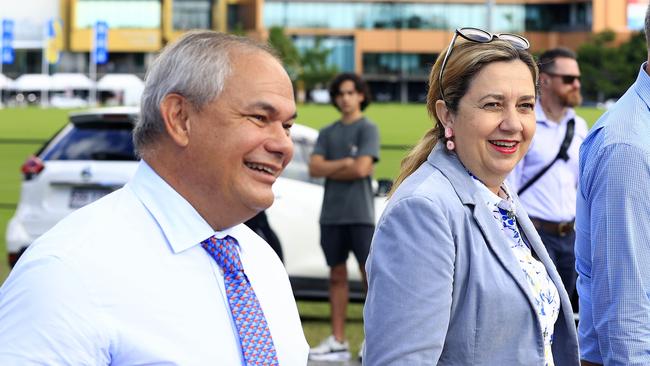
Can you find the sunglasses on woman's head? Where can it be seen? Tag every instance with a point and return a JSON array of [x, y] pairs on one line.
[[480, 36]]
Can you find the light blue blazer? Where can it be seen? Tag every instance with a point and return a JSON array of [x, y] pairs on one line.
[[444, 285]]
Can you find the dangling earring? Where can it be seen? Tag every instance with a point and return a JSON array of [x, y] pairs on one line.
[[450, 145], [449, 133]]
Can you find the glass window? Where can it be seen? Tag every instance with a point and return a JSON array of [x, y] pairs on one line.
[[191, 14], [127, 62], [93, 142], [235, 17], [417, 92], [558, 17], [405, 64], [298, 168], [384, 91], [118, 13], [388, 15], [26, 61], [509, 18], [342, 48]]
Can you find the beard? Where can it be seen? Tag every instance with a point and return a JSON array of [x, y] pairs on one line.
[[572, 98]]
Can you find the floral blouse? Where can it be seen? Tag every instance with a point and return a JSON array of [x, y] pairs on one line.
[[544, 291]]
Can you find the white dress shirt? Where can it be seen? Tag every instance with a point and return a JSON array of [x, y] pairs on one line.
[[124, 281], [553, 196]]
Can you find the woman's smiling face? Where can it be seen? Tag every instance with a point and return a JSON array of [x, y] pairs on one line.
[[495, 121]]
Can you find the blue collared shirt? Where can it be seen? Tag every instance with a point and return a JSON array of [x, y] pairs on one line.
[[553, 196], [124, 281], [613, 233]]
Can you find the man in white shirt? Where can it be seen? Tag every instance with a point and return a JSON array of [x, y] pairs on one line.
[[546, 179], [129, 279]]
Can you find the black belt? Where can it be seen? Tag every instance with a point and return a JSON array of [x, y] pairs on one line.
[[554, 228]]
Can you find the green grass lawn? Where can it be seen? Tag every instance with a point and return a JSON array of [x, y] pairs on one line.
[[398, 125]]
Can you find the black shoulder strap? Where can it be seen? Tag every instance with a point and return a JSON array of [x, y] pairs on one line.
[[562, 154]]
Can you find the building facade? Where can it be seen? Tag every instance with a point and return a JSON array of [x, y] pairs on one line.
[[392, 43]]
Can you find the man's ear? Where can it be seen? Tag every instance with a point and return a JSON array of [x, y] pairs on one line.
[[174, 109], [544, 79], [444, 114]]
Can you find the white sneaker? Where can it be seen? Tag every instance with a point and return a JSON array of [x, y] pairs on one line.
[[363, 346], [330, 350]]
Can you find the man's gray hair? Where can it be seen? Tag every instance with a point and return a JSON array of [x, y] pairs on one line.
[[196, 66]]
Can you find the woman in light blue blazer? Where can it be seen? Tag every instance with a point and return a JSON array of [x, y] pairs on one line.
[[457, 273]]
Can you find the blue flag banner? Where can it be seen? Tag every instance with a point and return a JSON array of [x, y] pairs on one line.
[[101, 42], [7, 41]]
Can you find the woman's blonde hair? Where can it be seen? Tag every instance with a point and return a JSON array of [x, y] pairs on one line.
[[465, 62]]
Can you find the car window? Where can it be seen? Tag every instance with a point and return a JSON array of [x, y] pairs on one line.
[[298, 168], [90, 141]]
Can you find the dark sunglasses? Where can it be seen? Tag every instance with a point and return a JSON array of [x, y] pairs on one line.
[[566, 79], [480, 36]]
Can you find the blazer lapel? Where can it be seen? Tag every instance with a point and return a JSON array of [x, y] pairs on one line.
[[469, 195], [499, 243]]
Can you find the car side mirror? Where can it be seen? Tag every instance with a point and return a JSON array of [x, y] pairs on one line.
[[383, 187]]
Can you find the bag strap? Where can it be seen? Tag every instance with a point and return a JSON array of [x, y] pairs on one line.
[[562, 154]]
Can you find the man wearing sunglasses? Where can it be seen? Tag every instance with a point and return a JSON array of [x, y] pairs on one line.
[[547, 177]]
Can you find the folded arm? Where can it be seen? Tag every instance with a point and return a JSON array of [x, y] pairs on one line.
[[341, 169]]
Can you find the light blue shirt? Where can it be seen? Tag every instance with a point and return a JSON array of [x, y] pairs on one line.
[[613, 233], [124, 281], [553, 196]]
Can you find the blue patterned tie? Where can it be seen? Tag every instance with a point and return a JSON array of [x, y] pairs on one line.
[[254, 335]]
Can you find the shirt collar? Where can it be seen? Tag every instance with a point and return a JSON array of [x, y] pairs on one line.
[[182, 226], [642, 85], [492, 199], [541, 116]]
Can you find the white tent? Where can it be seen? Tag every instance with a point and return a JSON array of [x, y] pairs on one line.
[[5, 82], [112, 82], [66, 81], [32, 82], [129, 85]]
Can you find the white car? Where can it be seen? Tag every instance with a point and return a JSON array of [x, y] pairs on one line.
[[93, 155]]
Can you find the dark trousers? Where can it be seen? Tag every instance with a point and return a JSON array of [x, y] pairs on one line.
[[560, 249]]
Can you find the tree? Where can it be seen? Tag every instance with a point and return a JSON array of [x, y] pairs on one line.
[[307, 69], [315, 69], [608, 70], [286, 50]]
